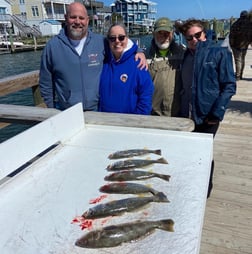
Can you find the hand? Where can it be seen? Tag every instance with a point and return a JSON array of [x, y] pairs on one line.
[[143, 61]]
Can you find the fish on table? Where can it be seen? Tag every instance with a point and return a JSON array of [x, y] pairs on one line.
[[132, 152], [115, 235], [117, 207], [132, 175], [127, 188], [133, 163]]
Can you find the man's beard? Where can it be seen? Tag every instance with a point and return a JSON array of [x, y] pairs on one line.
[[164, 45], [77, 34]]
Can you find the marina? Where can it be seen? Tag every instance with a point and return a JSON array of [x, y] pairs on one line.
[[227, 222]]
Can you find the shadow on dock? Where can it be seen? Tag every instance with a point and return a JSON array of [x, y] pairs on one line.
[[240, 106]]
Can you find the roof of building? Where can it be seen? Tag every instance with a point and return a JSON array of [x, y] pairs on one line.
[[51, 21]]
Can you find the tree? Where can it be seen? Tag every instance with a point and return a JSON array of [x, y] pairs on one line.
[[116, 17]]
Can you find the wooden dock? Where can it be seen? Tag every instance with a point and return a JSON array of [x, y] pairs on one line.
[[228, 218]]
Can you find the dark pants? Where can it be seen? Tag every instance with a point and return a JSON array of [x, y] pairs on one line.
[[211, 129]]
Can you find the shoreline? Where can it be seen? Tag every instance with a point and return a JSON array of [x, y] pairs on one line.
[[21, 49]]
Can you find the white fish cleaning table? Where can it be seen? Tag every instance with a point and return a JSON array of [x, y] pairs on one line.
[[38, 204]]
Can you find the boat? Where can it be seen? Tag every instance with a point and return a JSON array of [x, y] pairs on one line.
[[8, 44]]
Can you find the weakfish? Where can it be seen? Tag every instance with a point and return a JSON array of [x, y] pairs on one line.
[[132, 152], [130, 164], [132, 175], [117, 207], [115, 235], [127, 188]]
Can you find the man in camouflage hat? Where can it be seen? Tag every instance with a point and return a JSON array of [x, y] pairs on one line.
[[165, 56]]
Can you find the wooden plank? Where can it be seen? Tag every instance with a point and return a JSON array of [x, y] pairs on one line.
[[239, 244], [228, 222], [38, 100], [25, 114], [3, 125], [29, 114], [18, 82], [224, 168], [141, 121], [210, 247], [229, 197]]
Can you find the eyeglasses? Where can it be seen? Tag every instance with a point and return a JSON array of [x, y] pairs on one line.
[[113, 38], [196, 35]]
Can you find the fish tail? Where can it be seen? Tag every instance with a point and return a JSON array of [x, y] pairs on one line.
[[162, 160], [167, 225], [158, 151], [164, 177], [160, 197]]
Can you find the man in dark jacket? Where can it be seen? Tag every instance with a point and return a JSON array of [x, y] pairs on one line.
[[239, 41], [207, 81]]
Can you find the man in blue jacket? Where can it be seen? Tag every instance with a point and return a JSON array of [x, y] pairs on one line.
[[72, 62], [207, 81]]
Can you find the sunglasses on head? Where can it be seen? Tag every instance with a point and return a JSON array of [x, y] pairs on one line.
[[113, 38], [196, 35]]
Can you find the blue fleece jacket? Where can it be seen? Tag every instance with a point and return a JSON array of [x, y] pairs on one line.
[[124, 88], [67, 78]]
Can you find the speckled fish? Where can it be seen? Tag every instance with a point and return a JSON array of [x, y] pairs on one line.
[[127, 188], [132, 175], [132, 152], [120, 206], [115, 235], [130, 164]]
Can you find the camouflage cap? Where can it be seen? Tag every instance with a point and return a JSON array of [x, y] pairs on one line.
[[163, 24]]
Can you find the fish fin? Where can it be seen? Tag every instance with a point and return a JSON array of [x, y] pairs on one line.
[[164, 177], [153, 191], [161, 197], [162, 160], [167, 225]]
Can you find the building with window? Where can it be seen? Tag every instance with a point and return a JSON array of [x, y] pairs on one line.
[[5, 10], [30, 13], [138, 15]]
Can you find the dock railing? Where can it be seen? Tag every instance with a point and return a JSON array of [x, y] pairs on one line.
[[34, 114]]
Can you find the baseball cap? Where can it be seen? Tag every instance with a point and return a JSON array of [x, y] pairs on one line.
[[163, 24], [244, 14]]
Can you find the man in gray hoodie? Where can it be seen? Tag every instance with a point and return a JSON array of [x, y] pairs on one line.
[[72, 62]]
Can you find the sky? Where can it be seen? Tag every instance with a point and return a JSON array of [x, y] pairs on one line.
[[200, 9]]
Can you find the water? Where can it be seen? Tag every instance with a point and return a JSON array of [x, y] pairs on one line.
[[13, 64]]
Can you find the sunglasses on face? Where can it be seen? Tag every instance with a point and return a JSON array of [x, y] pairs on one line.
[[196, 35], [113, 38]]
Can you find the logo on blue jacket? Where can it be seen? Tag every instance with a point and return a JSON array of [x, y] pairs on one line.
[[124, 77]]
